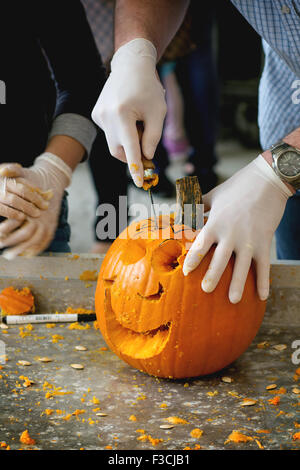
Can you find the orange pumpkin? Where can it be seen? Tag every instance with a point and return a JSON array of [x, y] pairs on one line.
[[16, 302], [162, 322]]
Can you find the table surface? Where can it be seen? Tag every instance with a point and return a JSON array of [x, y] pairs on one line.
[[108, 385], [206, 403]]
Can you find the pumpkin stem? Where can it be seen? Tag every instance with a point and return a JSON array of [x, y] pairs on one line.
[[189, 202]]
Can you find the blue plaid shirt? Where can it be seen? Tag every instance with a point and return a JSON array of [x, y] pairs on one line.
[[278, 22]]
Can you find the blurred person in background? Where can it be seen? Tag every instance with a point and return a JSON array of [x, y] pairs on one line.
[[53, 73], [195, 72]]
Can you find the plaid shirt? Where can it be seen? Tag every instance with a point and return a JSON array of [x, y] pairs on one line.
[[278, 22], [100, 15]]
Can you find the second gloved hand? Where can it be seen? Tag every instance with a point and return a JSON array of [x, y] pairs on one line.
[[244, 214], [30, 237], [132, 93]]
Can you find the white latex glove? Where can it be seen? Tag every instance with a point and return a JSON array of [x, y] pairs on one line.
[[17, 200], [51, 175], [244, 214], [132, 93]]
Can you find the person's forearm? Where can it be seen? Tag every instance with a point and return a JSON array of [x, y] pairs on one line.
[[155, 20], [67, 148]]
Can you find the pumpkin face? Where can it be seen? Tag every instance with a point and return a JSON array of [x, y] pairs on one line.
[[162, 322]]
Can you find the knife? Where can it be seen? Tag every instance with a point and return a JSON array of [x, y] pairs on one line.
[[150, 175], [150, 180]]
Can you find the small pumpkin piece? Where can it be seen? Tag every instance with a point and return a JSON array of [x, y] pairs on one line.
[[88, 275], [132, 418], [26, 439], [274, 401], [238, 437], [16, 302], [197, 433], [176, 420], [150, 182]]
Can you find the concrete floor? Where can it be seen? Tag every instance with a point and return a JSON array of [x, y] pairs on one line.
[[82, 197]]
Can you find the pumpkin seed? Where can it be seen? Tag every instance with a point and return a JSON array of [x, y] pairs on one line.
[[80, 348], [77, 366], [280, 347], [166, 426], [45, 359], [271, 386], [296, 390], [248, 403], [24, 363], [227, 380], [3, 326], [101, 414]]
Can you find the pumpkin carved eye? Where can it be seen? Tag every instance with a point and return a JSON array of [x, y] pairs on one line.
[[165, 256]]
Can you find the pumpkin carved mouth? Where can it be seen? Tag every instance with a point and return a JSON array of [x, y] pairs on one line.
[[138, 345]]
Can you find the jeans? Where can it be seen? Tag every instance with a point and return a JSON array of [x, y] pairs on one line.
[[60, 242], [288, 232]]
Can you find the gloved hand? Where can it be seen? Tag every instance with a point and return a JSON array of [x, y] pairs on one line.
[[244, 214], [132, 93], [18, 199], [51, 175]]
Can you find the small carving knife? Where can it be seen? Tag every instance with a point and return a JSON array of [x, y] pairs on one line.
[[150, 180], [150, 175]]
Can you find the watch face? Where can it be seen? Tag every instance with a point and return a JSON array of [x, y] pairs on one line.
[[289, 163]]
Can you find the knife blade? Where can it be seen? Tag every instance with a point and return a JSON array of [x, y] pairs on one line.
[[150, 179], [150, 175]]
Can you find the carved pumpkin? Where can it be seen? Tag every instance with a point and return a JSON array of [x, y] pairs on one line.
[[160, 321], [16, 302]]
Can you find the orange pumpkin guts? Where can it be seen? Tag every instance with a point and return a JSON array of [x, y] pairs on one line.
[[16, 302], [162, 322]]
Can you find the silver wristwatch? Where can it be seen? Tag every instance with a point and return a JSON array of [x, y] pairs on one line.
[[286, 163]]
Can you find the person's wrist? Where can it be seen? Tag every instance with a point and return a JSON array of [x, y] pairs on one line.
[[267, 155], [54, 166], [134, 51]]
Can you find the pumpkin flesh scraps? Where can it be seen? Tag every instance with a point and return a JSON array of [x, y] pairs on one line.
[[16, 302], [139, 345]]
